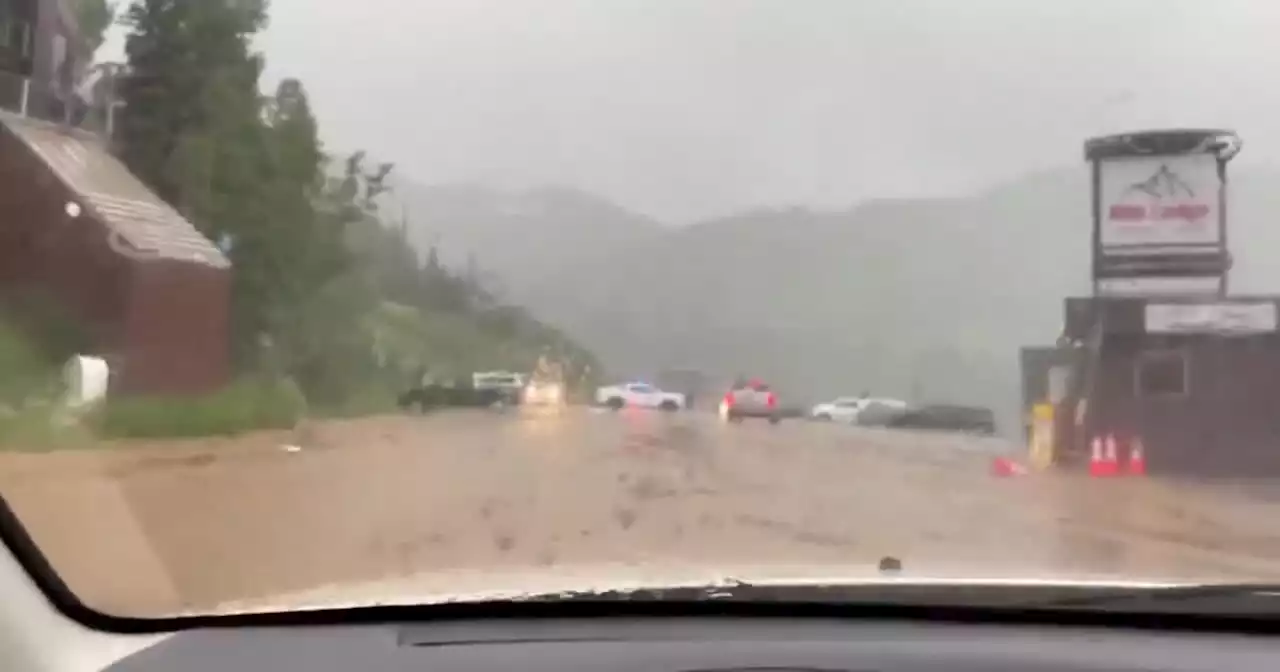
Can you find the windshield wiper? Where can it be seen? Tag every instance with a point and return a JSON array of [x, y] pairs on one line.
[[1233, 599], [1250, 599]]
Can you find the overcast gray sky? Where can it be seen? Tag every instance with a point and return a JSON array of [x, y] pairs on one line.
[[686, 109]]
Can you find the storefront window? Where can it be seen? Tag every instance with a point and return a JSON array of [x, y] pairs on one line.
[[1162, 374]]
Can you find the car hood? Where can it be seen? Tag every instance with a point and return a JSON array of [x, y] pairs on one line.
[[609, 582]]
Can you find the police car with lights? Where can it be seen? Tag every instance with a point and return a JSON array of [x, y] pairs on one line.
[[639, 395]]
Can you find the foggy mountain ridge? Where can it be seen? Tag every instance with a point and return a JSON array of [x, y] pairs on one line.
[[516, 236], [927, 298]]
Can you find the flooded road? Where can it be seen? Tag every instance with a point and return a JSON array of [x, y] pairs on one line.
[[473, 501]]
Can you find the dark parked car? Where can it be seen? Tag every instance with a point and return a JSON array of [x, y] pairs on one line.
[[946, 417], [879, 413], [453, 394]]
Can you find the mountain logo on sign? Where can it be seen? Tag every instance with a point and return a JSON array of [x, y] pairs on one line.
[[1162, 197]]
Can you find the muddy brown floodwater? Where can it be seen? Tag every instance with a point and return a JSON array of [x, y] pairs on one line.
[[389, 507]]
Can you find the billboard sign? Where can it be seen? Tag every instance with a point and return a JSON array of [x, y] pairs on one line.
[[1255, 317], [1157, 201], [1174, 286]]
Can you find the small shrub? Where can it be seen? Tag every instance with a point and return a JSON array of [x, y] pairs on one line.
[[368, 400], [25, 372], [243, 406], [45, 321]]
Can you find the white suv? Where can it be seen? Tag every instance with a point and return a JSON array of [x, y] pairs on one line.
[[851, 410]]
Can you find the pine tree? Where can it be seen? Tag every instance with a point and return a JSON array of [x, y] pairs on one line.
[[191, 122], [192, 128]]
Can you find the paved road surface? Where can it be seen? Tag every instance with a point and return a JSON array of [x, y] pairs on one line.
[[471, 501]]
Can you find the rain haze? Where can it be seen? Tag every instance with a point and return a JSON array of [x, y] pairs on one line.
[[461, 299], [684, 110], [876, 151]]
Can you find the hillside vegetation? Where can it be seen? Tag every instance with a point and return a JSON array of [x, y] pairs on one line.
[[316, 257], [928, 299], [330, 299], [925, 298], [513, 239]]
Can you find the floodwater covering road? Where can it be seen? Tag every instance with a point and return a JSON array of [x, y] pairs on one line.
[[404, 507]]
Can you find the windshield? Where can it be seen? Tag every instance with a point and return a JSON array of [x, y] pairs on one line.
[[318, 302]]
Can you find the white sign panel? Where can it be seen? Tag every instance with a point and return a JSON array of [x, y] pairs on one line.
[[1211, 286], [1167, 200], [1211, 318]]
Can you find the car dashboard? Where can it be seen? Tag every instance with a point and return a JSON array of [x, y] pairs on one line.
[[676, 644]]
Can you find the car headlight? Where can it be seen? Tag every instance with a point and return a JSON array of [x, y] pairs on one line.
[[552, 393]]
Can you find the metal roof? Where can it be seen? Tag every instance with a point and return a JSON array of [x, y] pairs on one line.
[[145, 224], [1220, 141]]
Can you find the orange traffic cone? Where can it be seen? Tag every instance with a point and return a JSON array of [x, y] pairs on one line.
[[1137, 459], [1004, 467], [1111, 458], [1096, 467]]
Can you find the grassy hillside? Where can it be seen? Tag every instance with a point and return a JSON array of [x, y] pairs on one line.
[[451, 345]]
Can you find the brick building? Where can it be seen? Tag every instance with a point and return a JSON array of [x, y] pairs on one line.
[[76, 226], [1163, 352]]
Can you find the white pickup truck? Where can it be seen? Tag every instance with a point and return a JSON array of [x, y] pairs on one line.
[[507, 384], [641, 395]]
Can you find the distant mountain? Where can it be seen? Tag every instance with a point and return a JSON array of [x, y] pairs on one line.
[[517, 237], [929, 299]]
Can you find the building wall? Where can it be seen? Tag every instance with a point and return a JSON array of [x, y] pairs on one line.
[[55, 54], [17, 21], [17, 49], [176, 329], [161, 324], [59, 52], [1226, 424], [44, 252], [1036, 363]]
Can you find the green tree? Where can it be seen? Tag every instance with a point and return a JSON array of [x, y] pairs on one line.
[[314, 257], [94, 17], [328, 286], [193, 129], [191, 125]]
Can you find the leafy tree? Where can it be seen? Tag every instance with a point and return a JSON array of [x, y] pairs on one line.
[[191, 124], [314, 256], [192, 128], [94, 17]]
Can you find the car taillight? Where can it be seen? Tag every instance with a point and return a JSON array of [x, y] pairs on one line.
[[728, 399], [771, 400]]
